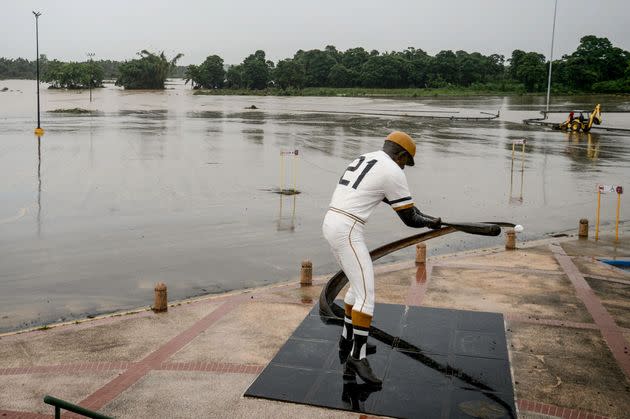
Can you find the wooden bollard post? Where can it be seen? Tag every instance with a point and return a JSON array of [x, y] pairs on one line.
[[160, 304], [583, 231], [510, 239], [421, 253], [306, 273]]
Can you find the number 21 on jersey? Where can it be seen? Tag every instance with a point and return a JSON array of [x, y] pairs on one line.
[[366, 168]]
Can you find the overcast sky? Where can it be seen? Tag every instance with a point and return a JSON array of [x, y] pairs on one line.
[[233, 29]]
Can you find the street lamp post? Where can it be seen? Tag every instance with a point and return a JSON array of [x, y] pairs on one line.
[[91, 55], [553, 34], [38, 131]]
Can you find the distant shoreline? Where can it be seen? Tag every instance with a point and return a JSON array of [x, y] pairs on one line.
[[407, 93], [378, 92]]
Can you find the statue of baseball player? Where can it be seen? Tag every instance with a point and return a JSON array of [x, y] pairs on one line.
[[372, 178]]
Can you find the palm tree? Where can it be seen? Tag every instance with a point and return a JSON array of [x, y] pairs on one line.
[[192, 75], [150, 71]]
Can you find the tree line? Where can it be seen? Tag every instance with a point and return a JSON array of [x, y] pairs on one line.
[[596, 65], [149, 71]]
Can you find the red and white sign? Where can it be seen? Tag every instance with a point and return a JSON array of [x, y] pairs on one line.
[[289, 153], [609, 189]]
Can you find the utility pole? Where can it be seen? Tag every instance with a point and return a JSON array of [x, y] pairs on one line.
[[91, 55], [38, 131], [553, 34]]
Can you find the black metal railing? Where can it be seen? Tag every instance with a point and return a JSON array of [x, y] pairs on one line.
[[62, 404]]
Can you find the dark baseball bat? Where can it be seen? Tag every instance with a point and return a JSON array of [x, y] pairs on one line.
[[481, 229]]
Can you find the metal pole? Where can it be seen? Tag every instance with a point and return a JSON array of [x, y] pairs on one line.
[[281, 172], [617, 218], [599, 196], [553, 34], [91, 55], [37, 15]]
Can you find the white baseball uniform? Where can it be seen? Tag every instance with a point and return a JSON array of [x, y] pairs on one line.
[[370, 179]]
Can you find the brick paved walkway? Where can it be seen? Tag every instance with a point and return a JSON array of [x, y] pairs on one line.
[[419, 284]]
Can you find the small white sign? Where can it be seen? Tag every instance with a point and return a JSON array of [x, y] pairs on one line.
[[519, 142]]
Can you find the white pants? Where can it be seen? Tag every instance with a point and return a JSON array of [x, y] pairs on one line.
[[345, 236]]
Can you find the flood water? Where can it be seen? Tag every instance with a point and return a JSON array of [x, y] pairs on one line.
[[168, 186]]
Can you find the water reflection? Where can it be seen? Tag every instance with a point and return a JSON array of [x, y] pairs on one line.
[[578, 151], [350, 143], [252, 117], [354, 394], [201, 147], [517, 200], [592, 149], [485, 383], [286, 222], [205, 114], [255, 135], [39, 186]]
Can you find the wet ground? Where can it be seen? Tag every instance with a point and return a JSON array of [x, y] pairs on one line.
[[168, 186], [559, 314]]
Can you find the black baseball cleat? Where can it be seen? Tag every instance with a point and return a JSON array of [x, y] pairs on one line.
[[345, 345], [361, 367]]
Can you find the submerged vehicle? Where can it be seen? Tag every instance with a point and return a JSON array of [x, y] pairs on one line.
[[581, 124]]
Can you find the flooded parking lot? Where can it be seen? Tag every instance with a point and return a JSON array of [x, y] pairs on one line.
[[169, 186]]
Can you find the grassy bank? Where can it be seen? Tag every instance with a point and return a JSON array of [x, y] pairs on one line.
[[363, 92], [506, 88]]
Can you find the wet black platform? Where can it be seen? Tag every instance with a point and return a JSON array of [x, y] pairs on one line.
[[434, 363]]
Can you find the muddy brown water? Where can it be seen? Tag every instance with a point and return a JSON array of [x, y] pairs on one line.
[[168, 186]]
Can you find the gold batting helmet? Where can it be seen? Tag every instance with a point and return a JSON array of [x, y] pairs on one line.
[[406, 142]]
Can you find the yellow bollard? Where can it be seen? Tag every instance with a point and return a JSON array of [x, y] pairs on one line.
[[281, 172], [583, 231], [510, 239], [306, 273], [160, 303], [599, 196], [421, 253], [619, 190]]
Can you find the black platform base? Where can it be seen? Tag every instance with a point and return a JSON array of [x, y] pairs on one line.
[[435, 363]]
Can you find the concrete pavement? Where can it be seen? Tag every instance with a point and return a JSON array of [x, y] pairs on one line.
[[567, 322]]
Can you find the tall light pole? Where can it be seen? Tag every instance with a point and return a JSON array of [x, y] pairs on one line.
[[91, 55], [38, 131], [553, 34]]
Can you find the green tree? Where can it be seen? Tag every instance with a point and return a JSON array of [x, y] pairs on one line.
[[317, 65], [531, 71], [234, 77], [334, 53], [289, 73], [418, 65], [354, 58], [193, 76], [256, 71], [515, 62], [73, 75], [387, 71], [444, 67], [209, 75], [18, 68], [340, 76], [150, 71], [595, 60], [477, 68]]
